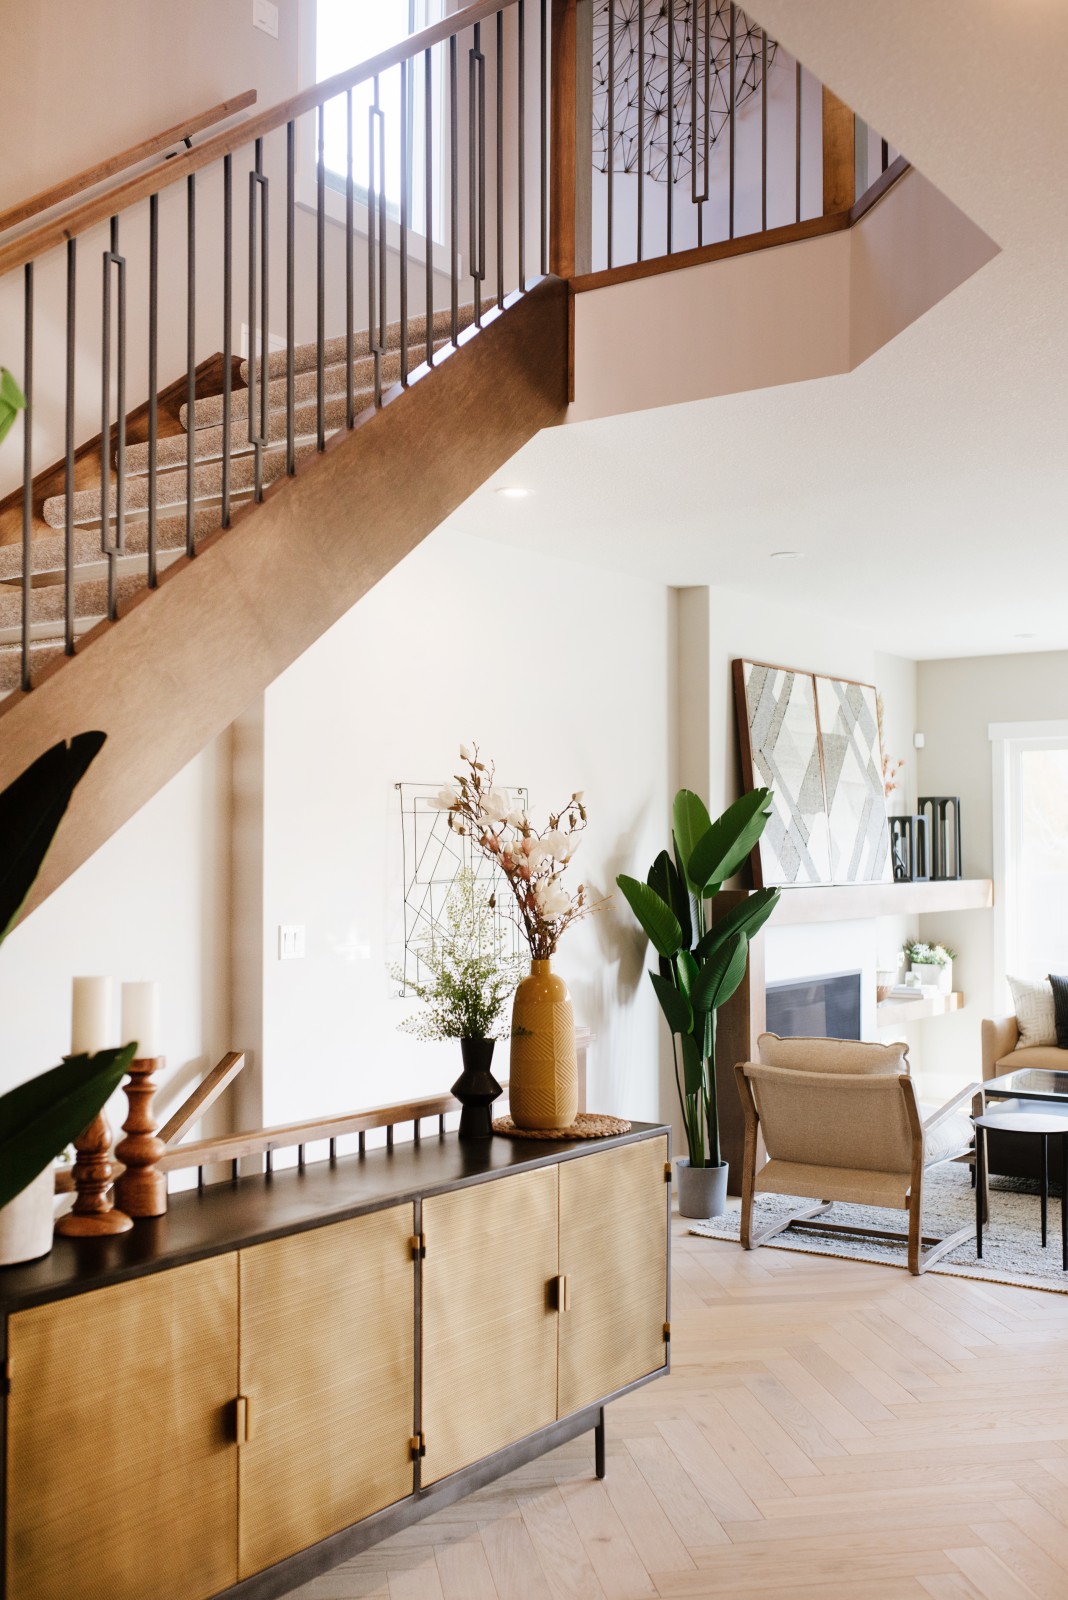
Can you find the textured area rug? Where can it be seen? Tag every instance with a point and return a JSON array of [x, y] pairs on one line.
[[1012, 1239]]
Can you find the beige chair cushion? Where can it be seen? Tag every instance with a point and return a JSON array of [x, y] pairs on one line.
[[833, 1119], [1036, 1055], [833, 1055]]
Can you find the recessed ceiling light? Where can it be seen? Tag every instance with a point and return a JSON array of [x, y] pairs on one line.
[[1025, 635], [786, 555], [512, 491]]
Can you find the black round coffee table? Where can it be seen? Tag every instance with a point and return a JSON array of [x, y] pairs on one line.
[[1045, 1120]]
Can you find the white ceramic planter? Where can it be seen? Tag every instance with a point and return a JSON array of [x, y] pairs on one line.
[[941, 977], [702, 1190], [26, 1222]]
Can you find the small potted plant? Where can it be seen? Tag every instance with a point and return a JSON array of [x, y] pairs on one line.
[[471, 976], [933, 963]]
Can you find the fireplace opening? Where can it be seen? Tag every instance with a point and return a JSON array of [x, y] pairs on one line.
[[827, 1007]]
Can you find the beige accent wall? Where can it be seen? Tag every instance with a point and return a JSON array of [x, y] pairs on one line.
[[805, 310]]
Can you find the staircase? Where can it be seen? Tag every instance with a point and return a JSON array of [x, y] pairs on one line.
[[156, 579], [371, 375]]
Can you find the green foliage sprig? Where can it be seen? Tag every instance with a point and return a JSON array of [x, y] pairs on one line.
[[12, 401], [472, 975]]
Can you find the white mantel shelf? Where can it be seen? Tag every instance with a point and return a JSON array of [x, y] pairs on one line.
[[851, 902], [892, 1013]]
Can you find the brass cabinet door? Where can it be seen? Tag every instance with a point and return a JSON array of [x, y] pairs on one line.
[[328, 1377], [489, 1322], [613, 1253], [121, 1465]]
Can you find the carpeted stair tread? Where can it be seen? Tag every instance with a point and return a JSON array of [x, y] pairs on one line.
[[48, 551], [305, 355], [171, 487], [208, 413], [170, 452], [47, 602], [41, 656]]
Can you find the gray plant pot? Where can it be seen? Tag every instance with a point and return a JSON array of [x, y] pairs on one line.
[[702, 1190]]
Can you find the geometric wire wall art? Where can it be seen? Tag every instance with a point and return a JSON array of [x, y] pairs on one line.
[[432, 857], [814, 741], [624, 22]]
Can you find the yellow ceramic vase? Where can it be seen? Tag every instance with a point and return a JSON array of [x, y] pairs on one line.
[[543, 1076]]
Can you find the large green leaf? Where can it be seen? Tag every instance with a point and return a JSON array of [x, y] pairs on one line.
[[673, 1003], [693, 1068], [31, 810], [721, 974], [691, 823], [664, 877], [748, 917], [41, 1117], [658, 921], [12, 401], [722, 849]]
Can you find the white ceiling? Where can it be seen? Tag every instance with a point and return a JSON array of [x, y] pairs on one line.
[[927, 490]]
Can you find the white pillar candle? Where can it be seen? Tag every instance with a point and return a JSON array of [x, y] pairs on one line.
[[140, 1018], [90, 1016]]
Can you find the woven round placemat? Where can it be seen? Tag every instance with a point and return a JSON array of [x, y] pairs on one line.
[[587, 1125]]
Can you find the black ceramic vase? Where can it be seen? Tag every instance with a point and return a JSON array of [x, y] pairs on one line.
[[476, 1089]]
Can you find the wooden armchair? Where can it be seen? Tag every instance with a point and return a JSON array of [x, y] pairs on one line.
[[840, 1121]]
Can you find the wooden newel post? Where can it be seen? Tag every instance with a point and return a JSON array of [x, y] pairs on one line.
[[142, 1189], [839, 155], [571, 138]]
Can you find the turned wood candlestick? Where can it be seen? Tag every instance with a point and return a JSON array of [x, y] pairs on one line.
[[142, 1190], [93, 1214]]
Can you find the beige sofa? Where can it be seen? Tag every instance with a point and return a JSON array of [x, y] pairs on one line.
[[1001, 1052]]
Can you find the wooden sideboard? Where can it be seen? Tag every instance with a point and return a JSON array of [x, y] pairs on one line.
[[234, 1397]]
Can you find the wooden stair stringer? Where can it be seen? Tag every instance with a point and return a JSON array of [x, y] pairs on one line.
[[187, 658]]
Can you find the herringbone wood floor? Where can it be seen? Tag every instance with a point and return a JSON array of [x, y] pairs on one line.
[[829, 1431]]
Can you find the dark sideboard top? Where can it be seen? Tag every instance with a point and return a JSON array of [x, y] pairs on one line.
[[231, 1216]]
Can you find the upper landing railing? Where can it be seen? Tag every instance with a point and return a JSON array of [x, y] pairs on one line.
[[351, 234]]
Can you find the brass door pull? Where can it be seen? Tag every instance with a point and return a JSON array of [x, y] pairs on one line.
[[563, 1292]]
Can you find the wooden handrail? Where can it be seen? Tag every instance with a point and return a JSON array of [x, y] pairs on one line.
[[50, 234], [232, 1147], [59, 192], [203, 1096]]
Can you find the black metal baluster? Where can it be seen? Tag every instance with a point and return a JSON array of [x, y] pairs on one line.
[[27, 471], [376, 239], [476, 167], [543, 176], [454, 194], [257, 270], [350, 272], [291, 293], [697, 110], [228, 328], [428, 203], [763, 130], [320, 280], [383, 244], [153, 383], [113, 549], [68, 470], [670, 120], [797, 142], [641, 129], [190, 357], [500, 159], [120, 397], [610, 125], [731, 110], [521, 68], [404, 224], [105, 424]]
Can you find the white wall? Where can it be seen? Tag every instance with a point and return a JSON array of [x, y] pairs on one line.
[[154, 902], [561, 674], [957, 700]]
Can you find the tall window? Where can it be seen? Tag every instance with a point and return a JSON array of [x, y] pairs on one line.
[[346, 34], [1031, 840]]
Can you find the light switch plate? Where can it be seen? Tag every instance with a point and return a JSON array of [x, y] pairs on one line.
[[290, 943], [265, 16]]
